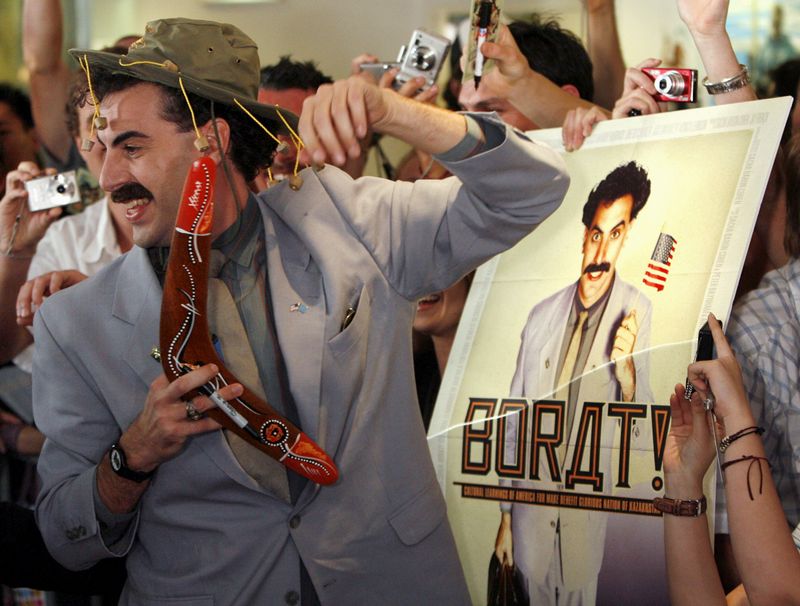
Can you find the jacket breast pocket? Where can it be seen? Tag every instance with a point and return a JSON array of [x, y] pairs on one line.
[[420, 516], [354, 327]]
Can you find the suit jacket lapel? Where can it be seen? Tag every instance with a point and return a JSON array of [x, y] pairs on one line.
[[298, 306], [137, 301]]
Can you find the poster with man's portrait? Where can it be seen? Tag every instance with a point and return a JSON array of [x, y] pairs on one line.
[[549, 431]]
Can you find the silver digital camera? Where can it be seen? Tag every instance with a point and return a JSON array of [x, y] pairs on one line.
[[53, 190], [423, 56]]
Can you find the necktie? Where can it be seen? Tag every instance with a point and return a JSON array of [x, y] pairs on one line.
[[225, 323], [565, 378]]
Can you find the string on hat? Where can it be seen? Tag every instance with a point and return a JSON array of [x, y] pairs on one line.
[[201, 143], [296, 140], [97, 119]]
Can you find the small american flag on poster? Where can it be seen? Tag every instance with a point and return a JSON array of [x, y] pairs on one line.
[[658, 268]]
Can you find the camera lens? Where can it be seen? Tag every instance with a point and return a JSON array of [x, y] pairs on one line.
[[423, 59], [61, 188], [670, 83]]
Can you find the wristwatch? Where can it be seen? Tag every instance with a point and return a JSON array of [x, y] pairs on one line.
[[119, 465], [678, 507]]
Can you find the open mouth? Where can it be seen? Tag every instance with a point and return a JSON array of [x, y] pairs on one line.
[[134, 209], [429, 301]]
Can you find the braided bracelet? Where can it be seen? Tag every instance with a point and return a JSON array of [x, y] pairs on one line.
[[725, 442], [753, 460]]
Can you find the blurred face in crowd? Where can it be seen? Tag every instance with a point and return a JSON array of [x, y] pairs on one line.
[[145, 160], [291, 99], [17, 143], [487, 99], [439, 313], [602, 244]]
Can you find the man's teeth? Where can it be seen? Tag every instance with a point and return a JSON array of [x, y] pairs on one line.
[[137, 202], [431, 299]]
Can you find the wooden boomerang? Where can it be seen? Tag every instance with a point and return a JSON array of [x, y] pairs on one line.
[[186, 342]]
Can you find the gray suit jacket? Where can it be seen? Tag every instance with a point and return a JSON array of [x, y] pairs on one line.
[[204, 530], [582, 531]]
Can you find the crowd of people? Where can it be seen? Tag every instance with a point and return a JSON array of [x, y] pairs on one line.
[[347, 293]]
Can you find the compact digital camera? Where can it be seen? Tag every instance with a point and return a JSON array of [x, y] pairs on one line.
[[53, 190], [673, 83], [423, 56]]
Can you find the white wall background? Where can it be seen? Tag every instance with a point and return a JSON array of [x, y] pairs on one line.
[[333, 31]]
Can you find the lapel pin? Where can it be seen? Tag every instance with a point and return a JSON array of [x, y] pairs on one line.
[[155, 353], [300, 306]]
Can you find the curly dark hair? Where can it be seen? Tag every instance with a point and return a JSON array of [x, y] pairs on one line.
[[250, 147], [287, 74], [628, 178], [555, 52]]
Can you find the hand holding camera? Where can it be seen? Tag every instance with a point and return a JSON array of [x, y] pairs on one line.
[[637, 93], [419, 61], [20, 228], [675, 84]]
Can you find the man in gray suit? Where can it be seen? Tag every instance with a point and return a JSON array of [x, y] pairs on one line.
[[325, 273], [587, 342]]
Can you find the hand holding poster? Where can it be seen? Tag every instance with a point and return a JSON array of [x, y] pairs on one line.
[[551, 422]]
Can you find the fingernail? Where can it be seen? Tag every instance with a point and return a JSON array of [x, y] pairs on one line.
[[339, 159], [214, 368]]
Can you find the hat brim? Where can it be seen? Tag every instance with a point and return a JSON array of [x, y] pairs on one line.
[[160, 75]]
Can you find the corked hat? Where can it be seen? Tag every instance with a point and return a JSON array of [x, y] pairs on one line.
[[216, 61]]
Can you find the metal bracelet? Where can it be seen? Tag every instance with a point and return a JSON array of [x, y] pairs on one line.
[[728, 85]]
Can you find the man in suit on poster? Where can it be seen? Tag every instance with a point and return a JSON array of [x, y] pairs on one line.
[[586, 342]]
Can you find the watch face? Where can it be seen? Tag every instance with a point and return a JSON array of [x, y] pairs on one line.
[[116, 459]]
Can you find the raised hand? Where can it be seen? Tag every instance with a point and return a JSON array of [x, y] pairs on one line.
[[704, 17], [621, 355], [335, 119]]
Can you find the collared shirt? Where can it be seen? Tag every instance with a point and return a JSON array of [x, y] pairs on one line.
[[764, 331], [85, 242], [244, 273], [588, 335]]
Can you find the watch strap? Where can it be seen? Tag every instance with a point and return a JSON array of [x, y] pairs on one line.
[[681, 507], [119, 466]]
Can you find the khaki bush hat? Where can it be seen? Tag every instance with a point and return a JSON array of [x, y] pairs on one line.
[[216, 61]]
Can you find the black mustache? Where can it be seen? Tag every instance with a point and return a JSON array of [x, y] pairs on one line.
[[595, 267], [130, 191]]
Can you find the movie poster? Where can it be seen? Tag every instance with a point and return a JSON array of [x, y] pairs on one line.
[[551, 421]]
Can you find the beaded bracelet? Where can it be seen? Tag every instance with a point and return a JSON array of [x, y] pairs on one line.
[[725, 442]]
